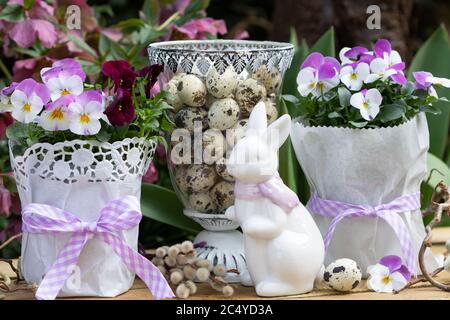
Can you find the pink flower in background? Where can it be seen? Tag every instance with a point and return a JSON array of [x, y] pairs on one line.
[[5, 199], [152, 174], [36, 26], [199, 29]]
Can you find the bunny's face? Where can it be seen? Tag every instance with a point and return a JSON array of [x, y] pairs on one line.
[[254, 158]]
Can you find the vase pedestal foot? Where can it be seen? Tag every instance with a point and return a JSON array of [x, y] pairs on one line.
[[227, 248]]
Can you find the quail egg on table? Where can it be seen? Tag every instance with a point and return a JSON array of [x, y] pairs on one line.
[[249, 93], [223, 114], [186, 118], [223, 195], [342, 275], [200, 178], [213, 145], [237, 132], [271, 79], [192, 90], [172, 98], [202, 202], [222, 171], [221, 85]]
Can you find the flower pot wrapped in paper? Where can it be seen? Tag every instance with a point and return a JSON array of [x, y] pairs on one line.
[[78, 163], [213, 85], [362, 143]]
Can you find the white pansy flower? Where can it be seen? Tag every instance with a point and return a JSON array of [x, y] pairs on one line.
[[368, 102], [382, 280], [354, 78]]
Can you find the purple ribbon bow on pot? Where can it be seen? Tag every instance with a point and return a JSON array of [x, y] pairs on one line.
[[117, 215], [388, 212]]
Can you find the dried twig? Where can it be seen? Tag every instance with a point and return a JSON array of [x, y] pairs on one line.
[[14, 237], [440, 204], [419, 280]]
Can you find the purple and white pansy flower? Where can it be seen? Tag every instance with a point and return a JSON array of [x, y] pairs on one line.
[[64, 77], [86, 111], [387, 64], [55, 116], [28, 99], [354, 77], [388, 275], [5, 97], [318, 75], [368, 102]]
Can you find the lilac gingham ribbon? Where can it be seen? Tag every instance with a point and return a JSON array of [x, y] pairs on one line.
[[117, 215], [388, 212]]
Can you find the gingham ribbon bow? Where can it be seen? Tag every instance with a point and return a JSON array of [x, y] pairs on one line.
[[388, 212], [117, 215]]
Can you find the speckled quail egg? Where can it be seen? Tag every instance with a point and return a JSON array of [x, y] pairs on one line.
[[213, 145], [192, 90], [200, 177], [221, 85], [202, 202], [223, 195], [221, 169], [342, 275], [210, 99], [179, 175], [186, 118], [249, 93], [271, 111], [172, 98], [237, 132], [180, 151], [223, 114], [271, 79]]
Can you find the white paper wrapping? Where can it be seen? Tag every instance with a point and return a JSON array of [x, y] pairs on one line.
[[81, 177], [367, 167]]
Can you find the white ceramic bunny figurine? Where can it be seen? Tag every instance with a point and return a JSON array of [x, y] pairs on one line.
[[283, 246]]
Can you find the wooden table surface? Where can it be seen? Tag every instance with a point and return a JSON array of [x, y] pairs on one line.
[[422, 291]]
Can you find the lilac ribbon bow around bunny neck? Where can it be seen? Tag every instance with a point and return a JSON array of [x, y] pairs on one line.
[[117, 215], [273, 189], [388, 212]]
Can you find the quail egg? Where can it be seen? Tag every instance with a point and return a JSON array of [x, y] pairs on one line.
[[192, 90], [187, 117], [221, 85], [236, 132], [223, 195], [200, 177], [271, 79], [179, 175], [213, 145], [223, 114], [172, 98], [249, 93], [202, 202], [271, 111], [222, 171], [342, 275]]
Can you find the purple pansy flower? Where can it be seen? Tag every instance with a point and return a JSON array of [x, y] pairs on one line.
[[318, 75], [86, 112], [55, 117], [121, 111], [5, 97], [28, 99], [388, 275], [387, 64]]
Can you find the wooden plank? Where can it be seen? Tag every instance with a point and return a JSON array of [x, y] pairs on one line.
[[140, 292]]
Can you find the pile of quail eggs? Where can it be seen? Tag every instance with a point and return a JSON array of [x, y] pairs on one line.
[[219, 102]]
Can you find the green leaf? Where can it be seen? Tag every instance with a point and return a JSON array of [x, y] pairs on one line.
[[80, 43], [408, 88], [12, 13], [130, 24], [287, 161], [433, 57], [290, 98], [344, 97], [334, 114], [163, 205], [300, 53], [151, 9], [27, 4], [438, 170], [358, 124], [391, 112], [325, 44]]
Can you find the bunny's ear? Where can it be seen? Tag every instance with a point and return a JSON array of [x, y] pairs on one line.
[[257, 121], [278, 131]]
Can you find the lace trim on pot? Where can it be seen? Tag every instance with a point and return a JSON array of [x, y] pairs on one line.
[[83, 160]]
